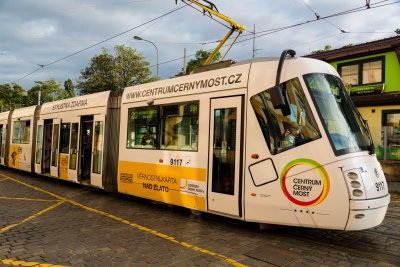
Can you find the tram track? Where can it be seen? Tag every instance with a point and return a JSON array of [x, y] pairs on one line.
[[359, 247]]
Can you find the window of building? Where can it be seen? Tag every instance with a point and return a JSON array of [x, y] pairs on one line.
[[21, 132], [390, 148], [363, 72], [169, 127]]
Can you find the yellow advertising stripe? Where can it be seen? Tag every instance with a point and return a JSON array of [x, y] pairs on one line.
[[134, 225], [31, 217], [28, 263], [28, 199]]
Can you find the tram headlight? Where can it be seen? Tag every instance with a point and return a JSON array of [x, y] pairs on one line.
[[352, 175], [358, 193], [355, 183]]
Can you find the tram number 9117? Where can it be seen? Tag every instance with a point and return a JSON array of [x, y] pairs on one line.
[[176, 162], [380, 186]]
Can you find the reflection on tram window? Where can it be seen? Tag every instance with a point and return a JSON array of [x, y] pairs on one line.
[[224, 150], [74, 146], [21, 132], [39, 143], [142, 127], [179, 127], [97, 147], [343, 124], [54, 146], [64, 138], [169, 127], [285, 132]]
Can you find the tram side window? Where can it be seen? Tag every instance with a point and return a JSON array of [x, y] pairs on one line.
[[179, 126], [21, 132], [64, 138], [285, 132], [169, 127], [39, 144], [74, 146], [143, 127], [3, 141]]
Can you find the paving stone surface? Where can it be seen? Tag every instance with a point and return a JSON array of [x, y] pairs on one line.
[[90, 227]]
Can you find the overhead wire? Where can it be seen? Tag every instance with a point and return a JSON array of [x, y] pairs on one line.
[[209, 16], [101, 42], [24, 11], [257, 35], [275, 30], [354, 10], [318, 16]]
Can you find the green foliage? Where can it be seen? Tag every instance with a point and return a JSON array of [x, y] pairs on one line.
[[326, 48], [114, 72], [69, 89], [347, 46], [201, 56], [397, 31], [12, 96], [50, 90]]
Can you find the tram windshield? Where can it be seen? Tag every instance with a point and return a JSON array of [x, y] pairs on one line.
[[346, 130], [281, 131]]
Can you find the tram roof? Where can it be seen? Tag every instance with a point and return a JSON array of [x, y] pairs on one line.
[[24, 112]]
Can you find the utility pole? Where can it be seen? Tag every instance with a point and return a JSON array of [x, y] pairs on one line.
[[254, 41], [184, 61]]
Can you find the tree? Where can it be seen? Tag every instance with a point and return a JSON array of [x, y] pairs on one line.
[[50, 90], [326, 48], [114, 72], [12, 96], [347, 46], [69, 89], [397, 31], [201, 56]]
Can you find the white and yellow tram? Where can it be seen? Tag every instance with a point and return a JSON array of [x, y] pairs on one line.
[[234, 141]]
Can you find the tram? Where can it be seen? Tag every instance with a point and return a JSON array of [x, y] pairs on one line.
[[273, 140]]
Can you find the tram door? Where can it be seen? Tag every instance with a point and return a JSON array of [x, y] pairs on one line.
[[86, 138], [97, 147], [2, 141], [39, 147], [47, 137], [55, 148], [74, 150], [224, 155]]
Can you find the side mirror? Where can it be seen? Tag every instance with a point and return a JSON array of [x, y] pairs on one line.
[[277, 98]]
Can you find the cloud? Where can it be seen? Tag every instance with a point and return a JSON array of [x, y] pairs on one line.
[[39, 32]]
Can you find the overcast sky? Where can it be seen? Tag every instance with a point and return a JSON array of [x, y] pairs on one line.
[[34, 33]]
